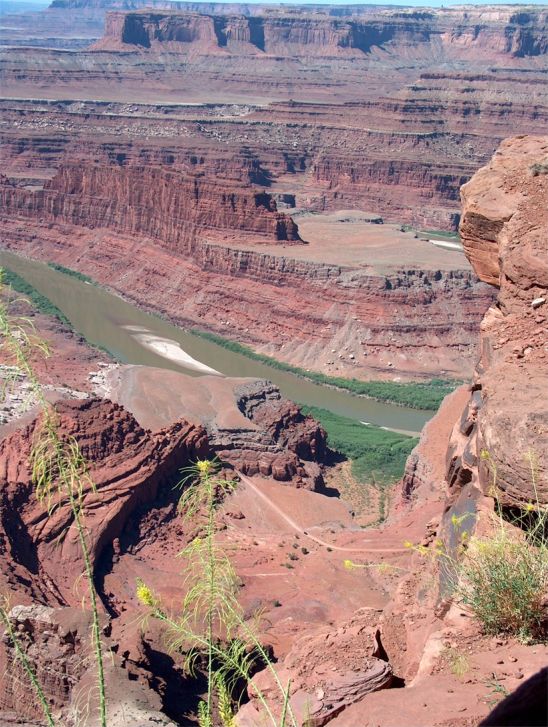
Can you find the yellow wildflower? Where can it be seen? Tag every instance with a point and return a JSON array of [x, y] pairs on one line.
[[204, 467], [145, 596]]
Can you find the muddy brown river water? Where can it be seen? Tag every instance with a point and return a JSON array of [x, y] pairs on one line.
[[136, 337]]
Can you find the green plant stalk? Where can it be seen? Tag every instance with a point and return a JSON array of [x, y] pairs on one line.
[[211, 574], [95, 626], [67, 469], [215, 592], [25, 663], [285, 704], [257, 644], [221, 654]]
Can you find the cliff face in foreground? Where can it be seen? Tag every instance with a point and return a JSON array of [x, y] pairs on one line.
[[504, 230], [129, 467]]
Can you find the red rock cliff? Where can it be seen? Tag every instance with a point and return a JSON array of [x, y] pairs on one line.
[[504, 229], [180, 208], [128, 466], [504, 32]]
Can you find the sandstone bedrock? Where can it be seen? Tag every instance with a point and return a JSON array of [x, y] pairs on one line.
[[504, 231]]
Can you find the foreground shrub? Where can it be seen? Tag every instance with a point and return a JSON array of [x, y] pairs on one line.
[[504, 582], [500, 577]]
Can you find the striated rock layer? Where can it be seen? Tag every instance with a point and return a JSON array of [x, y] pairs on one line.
[[128, 467], [249, 424], [344, 319], [502, 435], [158, 161], [505, 32], [175, 212], [254, 81]]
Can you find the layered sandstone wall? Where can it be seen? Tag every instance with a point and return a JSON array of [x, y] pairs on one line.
[[498, 443], [512, 34], [128, 467], [397, 181], [120, 198], [306, 313], [400, 145]]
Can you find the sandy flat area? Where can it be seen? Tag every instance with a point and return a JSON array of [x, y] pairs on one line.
[[346, 238]]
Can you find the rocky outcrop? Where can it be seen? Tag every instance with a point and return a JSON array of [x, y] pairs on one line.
[[127, 468], [294, 445], [56, 643], [505, 33], [262, 403], [425, 468], [501, 437], [491, 433], [180, 208], [328, 671], [250, 425]]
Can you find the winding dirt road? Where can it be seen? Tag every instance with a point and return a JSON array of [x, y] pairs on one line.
[[295, 525]]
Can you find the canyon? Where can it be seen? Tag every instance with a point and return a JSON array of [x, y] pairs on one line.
[[378, 621], [335, 188], [252, 142]]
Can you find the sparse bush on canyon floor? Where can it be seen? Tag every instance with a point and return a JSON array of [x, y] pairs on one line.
[[540, 168], [504, 581], [426, 395], [456, 660]]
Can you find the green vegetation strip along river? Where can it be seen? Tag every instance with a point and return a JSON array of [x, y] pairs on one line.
[[418, 395], [377, 456], [108, 321]]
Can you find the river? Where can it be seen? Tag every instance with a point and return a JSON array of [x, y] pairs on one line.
[[136, 337]]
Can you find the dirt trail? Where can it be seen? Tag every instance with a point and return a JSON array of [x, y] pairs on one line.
[[292, 523]]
